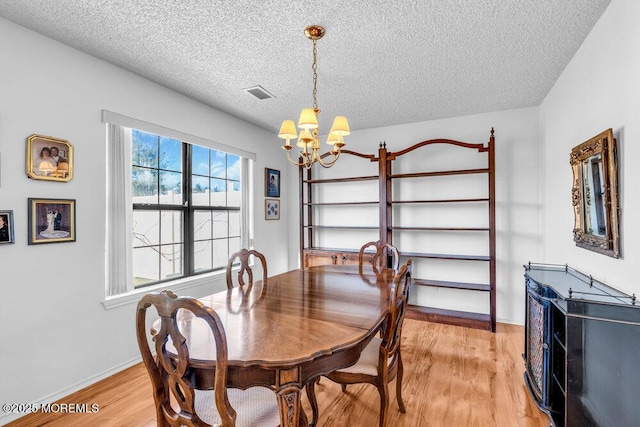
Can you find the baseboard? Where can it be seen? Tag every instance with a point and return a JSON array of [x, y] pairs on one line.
[[449, 317]]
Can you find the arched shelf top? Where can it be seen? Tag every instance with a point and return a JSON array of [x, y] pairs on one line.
[[371, 157], [479, 147]]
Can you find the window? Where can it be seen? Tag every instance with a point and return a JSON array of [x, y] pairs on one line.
[[177, 208]]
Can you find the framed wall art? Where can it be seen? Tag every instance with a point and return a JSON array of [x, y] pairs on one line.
[[6, 227], [271, 209], [52, 221], [49, 158], [271, 182]]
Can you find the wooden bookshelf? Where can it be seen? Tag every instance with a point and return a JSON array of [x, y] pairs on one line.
[[310, 228]]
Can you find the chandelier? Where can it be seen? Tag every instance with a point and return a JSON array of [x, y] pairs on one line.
[[308, 141]]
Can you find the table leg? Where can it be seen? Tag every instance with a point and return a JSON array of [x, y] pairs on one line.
[[291, 413]]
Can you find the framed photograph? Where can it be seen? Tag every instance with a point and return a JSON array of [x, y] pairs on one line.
[[271, 209], [52, 221], [6, 227], [49, 158], [271, 182]]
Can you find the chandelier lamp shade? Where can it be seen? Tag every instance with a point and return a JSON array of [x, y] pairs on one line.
[[307, 138]]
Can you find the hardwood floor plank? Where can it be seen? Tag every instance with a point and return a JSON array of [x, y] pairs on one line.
[[453, 376]]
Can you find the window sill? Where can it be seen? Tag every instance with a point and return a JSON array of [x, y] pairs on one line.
[[176, 285]]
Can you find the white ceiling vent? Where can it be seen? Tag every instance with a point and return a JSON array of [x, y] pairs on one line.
[[259, 92]]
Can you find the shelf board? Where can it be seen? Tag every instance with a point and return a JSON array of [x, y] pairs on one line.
[[396, 202], [439, 228], [405, 254], [350, 179], [342, 227], [341, 203], [446, 256], [439, 173], [450, 317], [484, 287]]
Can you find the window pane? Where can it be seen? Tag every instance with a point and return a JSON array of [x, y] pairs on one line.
[[202, 256], [221, 253], [145, 265], [170, 154], [202, 225], [220, 224], [159, 235], [145, 227], [171, 188], [218, 192], [144, 149], [234, 196], [234, 245], [171, 227], [200, 191], [218, 164], [170, 261], [233, 167], [144, 185], [200, 160], [234, 224]]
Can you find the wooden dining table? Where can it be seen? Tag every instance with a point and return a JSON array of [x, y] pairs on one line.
[[290, 330]]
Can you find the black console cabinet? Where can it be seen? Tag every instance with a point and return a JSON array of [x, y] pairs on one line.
[[582, 348]]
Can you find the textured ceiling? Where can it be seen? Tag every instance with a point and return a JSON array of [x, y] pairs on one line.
[[381, 62]]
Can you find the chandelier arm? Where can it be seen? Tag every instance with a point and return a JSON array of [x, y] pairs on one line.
[[293, 162], [330, 163]]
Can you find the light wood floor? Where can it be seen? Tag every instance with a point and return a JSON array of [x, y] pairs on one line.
[[454, 376]]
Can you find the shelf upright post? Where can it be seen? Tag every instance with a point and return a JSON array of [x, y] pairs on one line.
[[308, 211], [384, 194], [492, 229], [302, 210]]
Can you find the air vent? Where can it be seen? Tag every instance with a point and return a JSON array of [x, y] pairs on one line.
[[259, 92]]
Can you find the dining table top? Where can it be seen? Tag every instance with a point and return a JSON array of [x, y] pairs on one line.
[[294, 316]]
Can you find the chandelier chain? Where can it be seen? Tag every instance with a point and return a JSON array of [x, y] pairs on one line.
[[314, 67]]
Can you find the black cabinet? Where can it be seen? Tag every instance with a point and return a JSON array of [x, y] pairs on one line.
[[582, 348]]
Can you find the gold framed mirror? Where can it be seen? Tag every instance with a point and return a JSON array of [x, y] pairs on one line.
[[595, 195]]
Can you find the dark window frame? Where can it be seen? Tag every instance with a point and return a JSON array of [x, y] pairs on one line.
[[188, 210]]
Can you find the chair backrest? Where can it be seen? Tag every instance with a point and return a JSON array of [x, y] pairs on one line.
[[171, 374], [398, 301], [379, 258], [244, 255]]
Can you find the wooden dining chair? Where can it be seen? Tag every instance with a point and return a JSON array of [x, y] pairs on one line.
[[380, 258], [381, 360], [177, 401], [243, 255]]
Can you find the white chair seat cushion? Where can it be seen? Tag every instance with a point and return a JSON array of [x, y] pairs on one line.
[[256, 406], [368, 362]]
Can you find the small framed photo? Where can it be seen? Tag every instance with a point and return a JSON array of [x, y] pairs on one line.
[[271, 209], [52, 221], [6, 227], [271, 182], [49, 158]]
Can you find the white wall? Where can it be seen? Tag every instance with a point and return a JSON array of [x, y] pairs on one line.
[[56, 333], [599, 89]]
